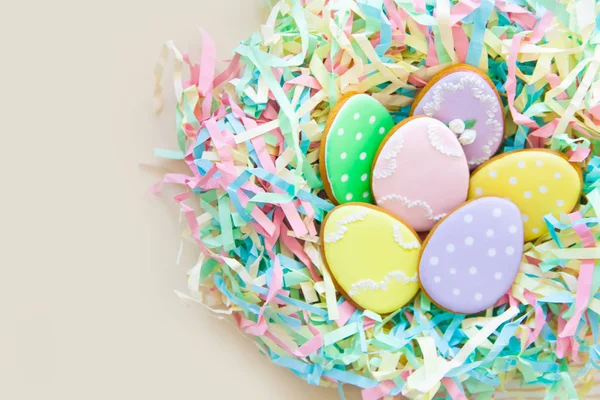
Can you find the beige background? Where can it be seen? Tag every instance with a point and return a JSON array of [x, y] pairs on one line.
[[88, 257]]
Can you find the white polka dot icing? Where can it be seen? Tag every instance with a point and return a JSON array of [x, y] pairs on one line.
[[459, 94], [420, 172], [538, 181], [481, 274], [350, 142]]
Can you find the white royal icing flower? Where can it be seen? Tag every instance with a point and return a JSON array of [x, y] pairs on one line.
[[457, 126], [467, 137]]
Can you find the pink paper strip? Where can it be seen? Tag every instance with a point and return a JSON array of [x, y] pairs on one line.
[[432, 58], [179, 179], [395, 19], [526, 21], [379, 391], [540, 321], [541, 27], [574, 350], [278, 216], [304, 80], [420, 5], [313, 344], [309, 347], [208, 63], [294, 219], [461, 43], [511, 83], [194, 70], [584, 280], [260, 146], [545, 131], [296, 248], [554, 81], [563, 344], [345, 311], [231, 71], [453, 389], [595, 111], [462, 9], [580, 154]]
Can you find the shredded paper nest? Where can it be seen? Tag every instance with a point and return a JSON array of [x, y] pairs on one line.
[[254, 199]]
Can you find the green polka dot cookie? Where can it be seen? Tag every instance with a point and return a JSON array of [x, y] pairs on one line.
[[356, 127]]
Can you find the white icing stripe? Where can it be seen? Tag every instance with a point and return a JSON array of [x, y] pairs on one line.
[[392, 149], [436, 218], [338, 235], [412, 204], [387, 171], [335, 236], [477, 161], [391, 277], [394, 146], [406, 245], [436, 141]]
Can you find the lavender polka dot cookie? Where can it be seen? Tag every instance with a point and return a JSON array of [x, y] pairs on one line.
[[473, 255]]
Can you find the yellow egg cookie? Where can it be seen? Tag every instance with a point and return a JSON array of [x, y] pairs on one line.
[[372, 255], [538, 181]]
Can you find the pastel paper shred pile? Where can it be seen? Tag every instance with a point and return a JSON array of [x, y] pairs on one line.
[[254, 201]]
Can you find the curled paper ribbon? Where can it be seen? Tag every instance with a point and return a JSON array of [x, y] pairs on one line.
[[251, 134]]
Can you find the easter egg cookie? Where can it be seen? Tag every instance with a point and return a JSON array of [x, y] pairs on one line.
[[371, 255], [355, 128], [420, 172], [538, 181], [466, 100], [471, 258]]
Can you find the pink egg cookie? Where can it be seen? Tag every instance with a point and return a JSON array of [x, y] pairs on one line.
[[465, 99], [471, 258], [420, 172]]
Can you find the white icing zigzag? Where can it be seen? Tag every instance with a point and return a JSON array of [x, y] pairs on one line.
[[437, 143], [338, 235], [370, 284], [406, 245], [477, 161], [387, 171], [476, 83], [392, 150], [436, 218], [412, 204], [396, 144]]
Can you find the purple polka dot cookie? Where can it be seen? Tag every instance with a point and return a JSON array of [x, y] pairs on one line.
[[472, 257]]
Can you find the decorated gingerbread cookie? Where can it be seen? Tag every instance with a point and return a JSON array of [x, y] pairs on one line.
[[466, 100], [538, 181], [372, 256], [420, 172], [356, 126], [472, 257]]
